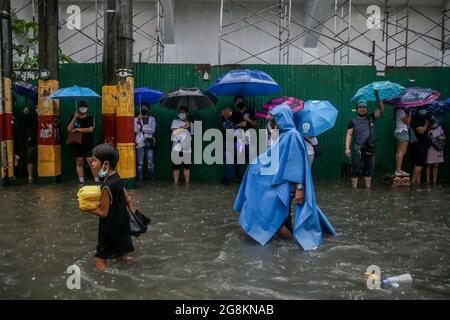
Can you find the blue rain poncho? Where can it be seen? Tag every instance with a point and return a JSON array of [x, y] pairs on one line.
[[264, 197]]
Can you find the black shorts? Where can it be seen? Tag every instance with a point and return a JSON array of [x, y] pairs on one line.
[[419, 153], [361, 165], [185, 165], [82, 150], [31, 154]]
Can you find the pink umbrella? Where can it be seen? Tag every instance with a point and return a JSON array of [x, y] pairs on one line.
[[295, 104], [414, 97]]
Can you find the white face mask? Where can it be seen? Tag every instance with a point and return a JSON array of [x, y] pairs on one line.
[[182, 116], [83, 109]]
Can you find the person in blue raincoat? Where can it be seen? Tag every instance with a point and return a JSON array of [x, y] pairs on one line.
[[264, 197]]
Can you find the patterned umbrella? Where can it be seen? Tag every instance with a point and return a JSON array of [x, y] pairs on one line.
[[386, 90], [413, 97], [26, 90], [436, 109], [295, 104]]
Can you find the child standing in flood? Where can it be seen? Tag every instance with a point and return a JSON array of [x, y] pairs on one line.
[[114, 236]]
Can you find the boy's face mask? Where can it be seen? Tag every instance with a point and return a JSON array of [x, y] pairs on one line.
[[83, 109], [104, 170]]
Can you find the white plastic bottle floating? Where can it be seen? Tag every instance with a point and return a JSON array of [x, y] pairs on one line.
[[397, 281]]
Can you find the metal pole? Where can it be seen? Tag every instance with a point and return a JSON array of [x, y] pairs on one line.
[[289, 30], [220, 33], [349, 27], [444, 15], [386, 30], [406, 37], [280, 29], [96, 31], [373, 52]]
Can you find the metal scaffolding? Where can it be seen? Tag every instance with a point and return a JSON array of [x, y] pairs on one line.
[[151, 30], [335, 33], [286, 26]]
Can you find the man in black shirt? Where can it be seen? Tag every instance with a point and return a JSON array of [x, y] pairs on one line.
[[244, 119], [363, 151]]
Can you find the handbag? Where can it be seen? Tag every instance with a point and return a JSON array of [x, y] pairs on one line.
[[74, 138], [138, 223], [316, 148], [368, 148], [149, 142]]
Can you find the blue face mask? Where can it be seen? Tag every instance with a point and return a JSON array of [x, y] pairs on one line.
[[102, 173]]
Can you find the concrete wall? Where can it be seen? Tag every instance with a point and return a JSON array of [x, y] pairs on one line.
[[196, 25]]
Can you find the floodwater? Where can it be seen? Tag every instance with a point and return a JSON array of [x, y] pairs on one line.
[[195, 248]]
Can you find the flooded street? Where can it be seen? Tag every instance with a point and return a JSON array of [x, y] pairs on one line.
[[195, 248]]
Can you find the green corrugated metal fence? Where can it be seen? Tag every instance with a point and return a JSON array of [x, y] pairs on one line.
[[334, 83]]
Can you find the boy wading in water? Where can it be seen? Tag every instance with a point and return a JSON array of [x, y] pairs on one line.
[[114, 237]]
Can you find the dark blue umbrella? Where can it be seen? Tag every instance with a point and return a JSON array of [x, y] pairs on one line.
[[244, 82], [26, 90], [147, 95], [414, 97], [436, 109]]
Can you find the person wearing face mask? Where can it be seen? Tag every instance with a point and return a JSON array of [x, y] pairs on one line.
[[29, 125], [182, 130], [264, 197], [228, 127], [362, 154], [114, 236], [243, 119], [83, 122], [144, 129]]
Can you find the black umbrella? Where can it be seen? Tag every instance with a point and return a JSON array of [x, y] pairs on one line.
[[192, 98]]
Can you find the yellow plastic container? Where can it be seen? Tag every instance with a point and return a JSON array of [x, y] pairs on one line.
[[89, 197]]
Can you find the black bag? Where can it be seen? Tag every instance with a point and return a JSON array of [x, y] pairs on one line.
[[316, 148], [138, 223], [149, 142], [369, 146]]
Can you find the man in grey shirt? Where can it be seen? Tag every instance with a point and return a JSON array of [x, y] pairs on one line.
[[363, 151]]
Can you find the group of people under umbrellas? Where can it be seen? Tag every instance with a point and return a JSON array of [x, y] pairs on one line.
[[292, 129]]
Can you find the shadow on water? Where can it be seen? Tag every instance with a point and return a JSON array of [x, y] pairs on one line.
[[195, 248]]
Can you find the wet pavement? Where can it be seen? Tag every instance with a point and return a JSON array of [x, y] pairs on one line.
[[195, 248]]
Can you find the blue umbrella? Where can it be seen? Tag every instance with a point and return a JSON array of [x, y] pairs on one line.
[[147, 95], [244, 82], [26, 90], [74, 92], [436, 108], [386, 90], [316, 117]]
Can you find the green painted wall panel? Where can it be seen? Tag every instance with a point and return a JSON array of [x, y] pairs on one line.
[[334, 83]]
